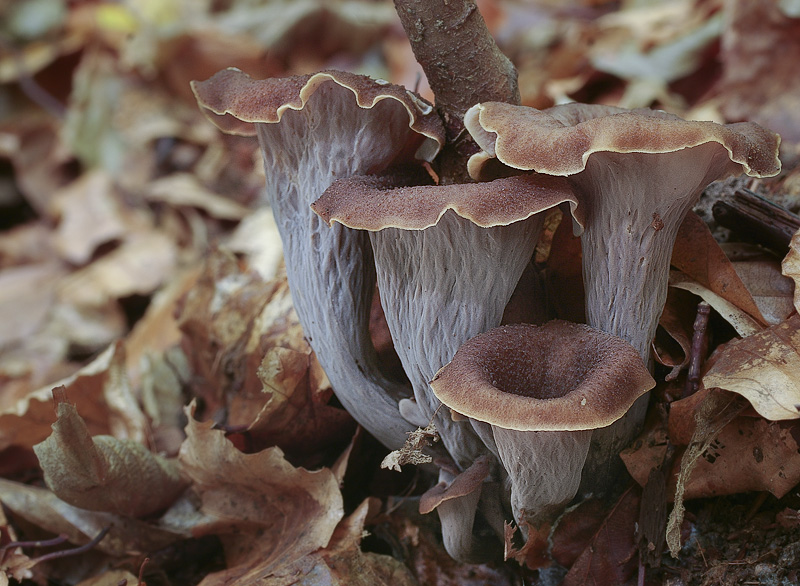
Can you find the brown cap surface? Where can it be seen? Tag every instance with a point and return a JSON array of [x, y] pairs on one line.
[[373, 203], [556, 377], [234, 101], [559, 140]]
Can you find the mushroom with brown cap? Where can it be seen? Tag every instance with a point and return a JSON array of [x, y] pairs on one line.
[[543, 389], [637, 172], [448, 259], [314, 129]]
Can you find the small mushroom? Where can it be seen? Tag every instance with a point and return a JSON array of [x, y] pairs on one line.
[[314, 129], [543, 389], [637, 172]]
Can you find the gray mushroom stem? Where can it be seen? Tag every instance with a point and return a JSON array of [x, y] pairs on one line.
[[543, 390], [313, 130], [440, 287], [635, 203], [330, 270]]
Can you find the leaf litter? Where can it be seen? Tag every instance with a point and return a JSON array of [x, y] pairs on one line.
[[136, 273]]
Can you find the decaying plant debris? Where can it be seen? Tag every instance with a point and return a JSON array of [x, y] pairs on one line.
[[163, 415]]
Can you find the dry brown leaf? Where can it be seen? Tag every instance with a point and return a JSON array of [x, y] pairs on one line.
[[26, 244], [764, 368], [697, 255], [790, 267], [140, 265], [127, 536], [216, 318], [349, 565], [610, 557], [742, 322], [676, 321], [102, 473], [714, 414], [269, 514], [183, 189], [100, 390], [90, 215], [157, 330], [26, 297], [748, 454], [761, 274]]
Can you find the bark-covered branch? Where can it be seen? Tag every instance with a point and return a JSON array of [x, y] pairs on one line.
[[464, 66]]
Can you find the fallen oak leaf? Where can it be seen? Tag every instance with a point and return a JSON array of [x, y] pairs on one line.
[[102, 473], [42, 508], [269, 515], [610, 558], [764, 368]]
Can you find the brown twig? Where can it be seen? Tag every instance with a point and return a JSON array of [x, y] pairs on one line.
[[699, 349], [463, 65]]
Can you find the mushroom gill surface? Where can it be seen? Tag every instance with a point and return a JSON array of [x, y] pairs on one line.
[[312, 130]]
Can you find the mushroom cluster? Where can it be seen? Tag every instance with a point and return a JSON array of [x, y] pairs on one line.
[[519, 408]]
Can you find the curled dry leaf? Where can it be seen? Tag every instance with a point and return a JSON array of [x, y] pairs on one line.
[[127, 536], [103, 473], [610, 556], [742, 322], [269, 514], [790, 267], [697, 255], [101, 392], [764, 368]]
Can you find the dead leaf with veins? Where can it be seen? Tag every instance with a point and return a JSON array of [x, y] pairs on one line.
[[103, 473], [764, 368], [790, 267], [100, 390], [268, 514]]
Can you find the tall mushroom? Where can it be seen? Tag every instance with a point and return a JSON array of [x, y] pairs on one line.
[[448, 259], [637, 172], [314, 129], [542, 389]]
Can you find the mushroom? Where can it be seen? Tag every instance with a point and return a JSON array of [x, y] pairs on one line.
[[314, 129], [637, 172], [448, 259], [543, 389]]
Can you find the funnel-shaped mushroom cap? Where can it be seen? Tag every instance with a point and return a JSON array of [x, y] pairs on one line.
[[556, 377], [542, 390], [559, 140], [375, 203], [235, 102]]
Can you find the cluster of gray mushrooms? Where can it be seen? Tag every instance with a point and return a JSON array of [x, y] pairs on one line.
[[523, 411]]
